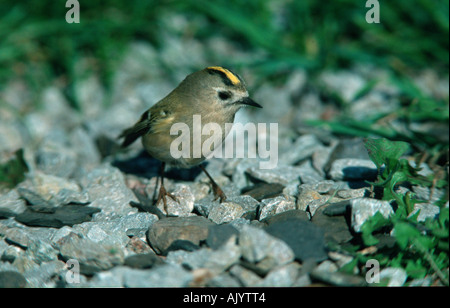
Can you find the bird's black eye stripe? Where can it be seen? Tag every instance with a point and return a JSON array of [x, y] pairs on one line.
[[224, 95]]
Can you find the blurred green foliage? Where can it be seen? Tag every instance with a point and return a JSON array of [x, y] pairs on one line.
[[12, 172], [308, 34], [421, 247]]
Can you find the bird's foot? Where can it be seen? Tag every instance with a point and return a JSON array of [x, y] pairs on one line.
[[163, 194], [218, 193]]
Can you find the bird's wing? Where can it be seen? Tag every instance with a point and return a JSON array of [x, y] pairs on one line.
[[139, 129], [155, 120]]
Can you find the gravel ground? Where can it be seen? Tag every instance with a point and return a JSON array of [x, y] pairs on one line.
[[83, 202]]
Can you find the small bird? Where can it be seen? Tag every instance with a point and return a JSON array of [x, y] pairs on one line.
[[215, 93]]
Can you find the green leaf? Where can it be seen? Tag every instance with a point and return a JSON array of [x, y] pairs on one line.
[[444, 217], [424, 242], [415, 268], [364, 90], [440, 232], [383, 151], [371, 225], [404, 233], [349, 267]]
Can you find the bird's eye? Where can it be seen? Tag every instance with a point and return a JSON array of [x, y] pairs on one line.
[[224, 95]]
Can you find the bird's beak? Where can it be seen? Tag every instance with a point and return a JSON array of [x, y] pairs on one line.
[[248, 101]]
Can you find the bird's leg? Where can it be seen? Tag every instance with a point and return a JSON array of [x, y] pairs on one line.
[[218, 192], [163, 192]]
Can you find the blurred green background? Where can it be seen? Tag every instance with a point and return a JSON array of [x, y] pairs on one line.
[[37, 45], [36, 41]]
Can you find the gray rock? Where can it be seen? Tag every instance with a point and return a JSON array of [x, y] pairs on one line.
[[37, 203], [18, 236], [101, 234], [303, 147], [393, 277], [224, 280], [424, 193], [322, 187], [364, 208], [266, 190], [281, 174], [3, 247], [218, 235], [41, 252], [321, 158], [282, 111], [326, 266], [302, 281], [92, 257], [260, 247], [238, 171], [304, 238], [427, 210], [273, 206], [340, 259], [43, 276], [203, 206], [58, 236], [298, 214], [184, 204], [9, 255], [11, 279], [181, 245], [282, 276], [225, 212], [309, 175], [239, 223], [344, 83], [56, 157], [309, 199], [247, 202], [337, 278], [67, 215], [12, 203], [108, 191], [374, 103], [6, 213], [10, 137], [353, 169], [290, 190], [162, 233], [113, 278], [40, 187], [23, 263], [335, 226], [137, 245], [24, 237], [215, 261], [117, 230], [143, 261], [350, 148], [353, 193], [246, 277], [68, 196], [90, 156], [164, 276]]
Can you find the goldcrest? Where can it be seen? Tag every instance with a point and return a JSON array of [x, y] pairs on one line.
[[215, 93]]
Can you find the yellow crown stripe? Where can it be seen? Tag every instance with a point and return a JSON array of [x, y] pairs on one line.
[[234, 80]]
